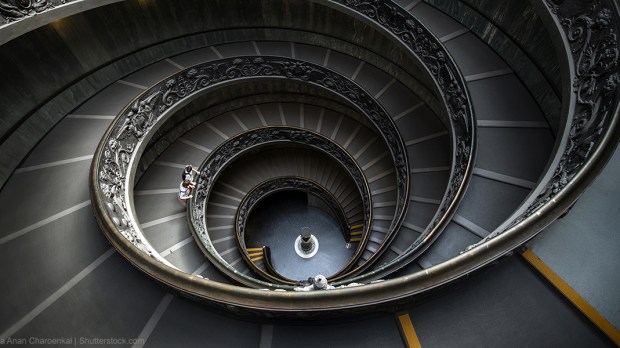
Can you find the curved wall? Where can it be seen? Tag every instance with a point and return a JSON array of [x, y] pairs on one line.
[[234, 97], [513, 29], [89, 50]]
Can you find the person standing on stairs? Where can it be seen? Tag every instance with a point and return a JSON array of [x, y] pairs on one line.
[[185, 190], [188, 173]]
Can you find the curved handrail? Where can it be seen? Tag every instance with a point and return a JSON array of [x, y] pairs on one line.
[[387, 17], [453, 94], [21, 17], [372, 295], [250, 140], [116, 157], [590, 36], [268, 265], [424, 46], [267, 188], [591, 40]]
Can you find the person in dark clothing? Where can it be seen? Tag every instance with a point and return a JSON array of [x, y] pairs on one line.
[[188, 174]]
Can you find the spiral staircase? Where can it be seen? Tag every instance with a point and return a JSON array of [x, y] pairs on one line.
[[439, 139]]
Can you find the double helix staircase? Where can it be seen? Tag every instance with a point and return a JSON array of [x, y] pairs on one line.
[[60, 266]]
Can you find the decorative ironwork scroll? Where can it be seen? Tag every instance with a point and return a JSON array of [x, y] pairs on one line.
[[13, 10], [401, 24], [593, 38], [451, 84], [250, 140], [130, 131], [591, 29]]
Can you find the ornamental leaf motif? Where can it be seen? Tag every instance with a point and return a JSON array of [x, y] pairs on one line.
[[591, 31], [13, 10]]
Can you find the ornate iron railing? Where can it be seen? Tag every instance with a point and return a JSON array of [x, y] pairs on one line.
[[584, 156], [590, 31], [407, 31], [274, 185], [250, 140], [12, 10], [591, 34], [116, 157], [424, 46], [18, 17], [127, 136]]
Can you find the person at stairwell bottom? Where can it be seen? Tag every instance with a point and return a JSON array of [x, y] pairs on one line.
[[188, 173], [185, 190]]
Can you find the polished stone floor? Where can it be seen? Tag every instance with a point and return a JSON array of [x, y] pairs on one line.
[[277, 221]]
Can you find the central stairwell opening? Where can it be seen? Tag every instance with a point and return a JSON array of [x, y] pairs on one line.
[[281, 218]]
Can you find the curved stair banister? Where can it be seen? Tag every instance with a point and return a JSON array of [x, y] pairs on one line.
[[269, 187], [566, 191], [20, 17], [386, 17], [268, 266], [591, 41], [408, 31], [389, 17], [265, 255], [114, 165], [203, 113], [108, 222], [251, 140]]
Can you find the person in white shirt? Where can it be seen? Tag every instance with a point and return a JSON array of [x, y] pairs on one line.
[[185, 190]]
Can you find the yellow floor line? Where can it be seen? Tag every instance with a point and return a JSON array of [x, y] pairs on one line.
[[409, 331], [573, 296]]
